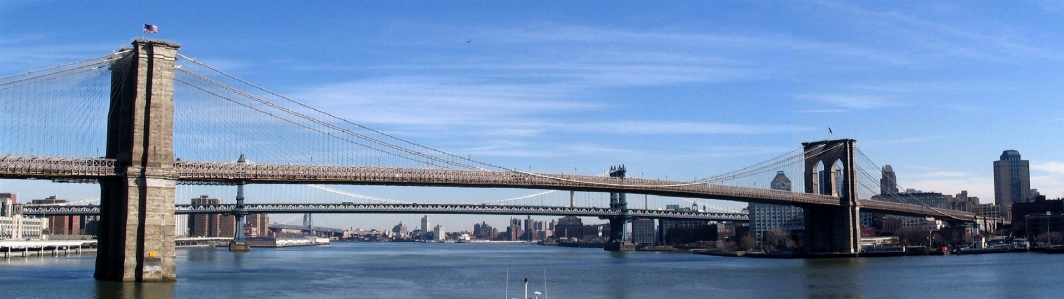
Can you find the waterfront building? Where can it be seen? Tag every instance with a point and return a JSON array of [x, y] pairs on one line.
[[7, 204], [205, 225], [61, 224], [514, 232], [679, 229], [571, 227], [988, 210], [257, 225], [483, 231], [181, 225], [1031, 218], [438, 233], [1012, 180], [963, 202], [766, 217], [644, 231], [400, 230], [15, 226]]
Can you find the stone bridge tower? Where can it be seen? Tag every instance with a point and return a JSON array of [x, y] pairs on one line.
[[136, 241], [618, 240], [832, 229]]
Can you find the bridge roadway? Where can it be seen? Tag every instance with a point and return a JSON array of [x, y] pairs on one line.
[[47, 210], [26, 167]]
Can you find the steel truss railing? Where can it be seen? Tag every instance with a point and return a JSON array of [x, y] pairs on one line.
[[55, 167]]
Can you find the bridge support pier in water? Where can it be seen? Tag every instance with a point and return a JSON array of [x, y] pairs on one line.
[[618, 240], [136, 240], [239, 242], [832, 230]]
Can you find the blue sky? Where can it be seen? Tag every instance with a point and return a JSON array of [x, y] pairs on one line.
[[680, 89]]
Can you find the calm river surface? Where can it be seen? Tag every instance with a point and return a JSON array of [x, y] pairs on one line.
[[417, 270]]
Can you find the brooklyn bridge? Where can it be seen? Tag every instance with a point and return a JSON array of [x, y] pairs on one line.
[[164, 119]]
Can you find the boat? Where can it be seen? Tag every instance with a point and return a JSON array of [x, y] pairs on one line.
[[993, 249], [883, 251], [1021, 244]]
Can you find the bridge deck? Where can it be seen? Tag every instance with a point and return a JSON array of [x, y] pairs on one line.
[[263, 173]]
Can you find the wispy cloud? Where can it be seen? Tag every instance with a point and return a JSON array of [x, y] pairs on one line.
[[24, 53], [998, 42], [682, 128], [1046, 177], [903, 140], [822, 111], [850, 101], [1052, 167], [438, 100], [932, 179]]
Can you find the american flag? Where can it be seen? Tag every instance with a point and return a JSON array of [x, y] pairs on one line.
[[149, 28]]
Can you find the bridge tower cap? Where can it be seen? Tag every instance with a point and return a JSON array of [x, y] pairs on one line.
[[156, 42]]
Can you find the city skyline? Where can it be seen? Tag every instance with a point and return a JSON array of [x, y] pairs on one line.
[[936, 90]]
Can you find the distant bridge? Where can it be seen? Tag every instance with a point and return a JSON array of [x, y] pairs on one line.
[[351, 208]]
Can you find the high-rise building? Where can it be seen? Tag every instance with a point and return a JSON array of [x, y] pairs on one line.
[[644, 231], [425, 227], [767, 217], [888, 181], [1012, 180], [205, 225], [400, 230], [257, 225], [438, 233]]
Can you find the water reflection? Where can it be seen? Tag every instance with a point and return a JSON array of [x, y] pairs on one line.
[[202, 254], [832, 278], [134, 290]]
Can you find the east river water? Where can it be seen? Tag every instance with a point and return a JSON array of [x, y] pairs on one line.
[[420, 270]]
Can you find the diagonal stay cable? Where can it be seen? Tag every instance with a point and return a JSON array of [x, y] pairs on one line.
[[342, 119], [323, 123]]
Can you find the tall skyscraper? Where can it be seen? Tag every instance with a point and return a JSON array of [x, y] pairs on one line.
[[1012, 180], [888, 182], [425, 227], [766, 217]]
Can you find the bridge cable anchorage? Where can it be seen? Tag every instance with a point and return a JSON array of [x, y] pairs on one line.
[[452, 156], [432, 159], [356, 195], [936, 210]]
